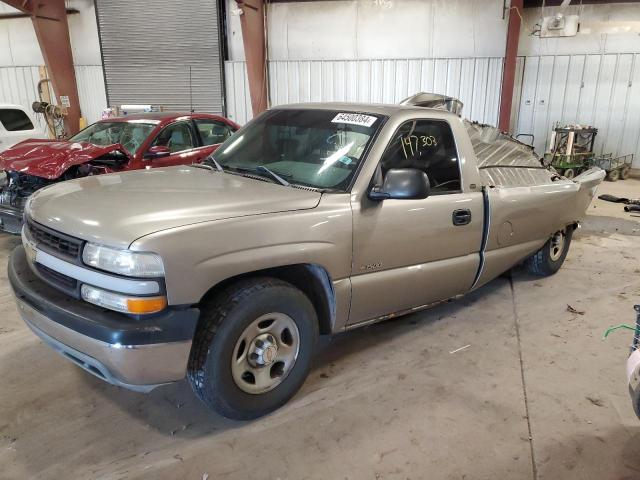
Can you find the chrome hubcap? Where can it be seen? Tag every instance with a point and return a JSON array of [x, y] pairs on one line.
[[265, 353], [557, 245]]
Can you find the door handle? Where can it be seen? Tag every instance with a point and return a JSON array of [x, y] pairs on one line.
[[461, 217]]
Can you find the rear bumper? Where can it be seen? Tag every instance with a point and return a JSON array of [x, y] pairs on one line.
[[138, 354], [11, 219]]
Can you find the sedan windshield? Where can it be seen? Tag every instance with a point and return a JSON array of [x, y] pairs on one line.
[[130, 135], [315, 148]]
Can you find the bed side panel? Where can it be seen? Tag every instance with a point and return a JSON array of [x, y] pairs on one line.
[[522, 220]]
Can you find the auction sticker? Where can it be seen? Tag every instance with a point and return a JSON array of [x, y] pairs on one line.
[[354, 119]]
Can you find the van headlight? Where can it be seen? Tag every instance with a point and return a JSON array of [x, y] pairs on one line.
[[123, 262]]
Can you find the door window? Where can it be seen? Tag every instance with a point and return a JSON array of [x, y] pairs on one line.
[[178, 137], [213, 132], [14, 120], [427, 145]]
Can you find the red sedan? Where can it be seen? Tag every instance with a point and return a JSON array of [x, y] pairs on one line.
[[111, 145]]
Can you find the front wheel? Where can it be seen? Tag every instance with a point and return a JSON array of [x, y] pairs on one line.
[[253, 348], [550, 257], [613, 175]]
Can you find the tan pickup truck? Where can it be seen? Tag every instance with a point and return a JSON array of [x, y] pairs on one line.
[[312, 219]]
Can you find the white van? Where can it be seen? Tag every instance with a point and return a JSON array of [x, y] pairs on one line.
[[16, 125]]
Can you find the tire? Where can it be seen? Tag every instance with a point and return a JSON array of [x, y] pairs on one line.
[[569, 173], [548, 259], [625, 172], [613, 175], [223, 326]]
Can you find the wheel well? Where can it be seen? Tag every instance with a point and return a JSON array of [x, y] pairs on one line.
[[313, 280]]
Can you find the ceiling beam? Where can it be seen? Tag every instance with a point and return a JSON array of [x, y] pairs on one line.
[[556, 3], [9, 16]]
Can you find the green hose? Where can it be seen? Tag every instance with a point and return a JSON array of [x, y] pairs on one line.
[[617, 327]]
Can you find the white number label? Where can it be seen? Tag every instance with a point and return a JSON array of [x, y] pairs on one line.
[[354, 119]]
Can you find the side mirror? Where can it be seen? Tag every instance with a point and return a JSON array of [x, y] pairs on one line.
[[402, 184], [158, 151]]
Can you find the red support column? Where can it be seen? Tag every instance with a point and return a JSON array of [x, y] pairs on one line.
[[49, 19], [252, 21], [509, 71]]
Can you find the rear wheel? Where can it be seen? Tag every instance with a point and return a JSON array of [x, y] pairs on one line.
[[550, 257], [253, 348], [569, 173], [625, 172], [613, 175]]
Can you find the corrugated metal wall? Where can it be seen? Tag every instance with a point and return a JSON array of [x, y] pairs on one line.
[[475, 81], [167, 53], [93, 98], [598, 90], [19, 85]]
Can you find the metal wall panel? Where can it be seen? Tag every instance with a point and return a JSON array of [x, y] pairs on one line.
[[476, 81], [93, 98], [162, 52], [598, 90]]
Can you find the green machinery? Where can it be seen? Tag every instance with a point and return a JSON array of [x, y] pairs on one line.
[[571, 152]]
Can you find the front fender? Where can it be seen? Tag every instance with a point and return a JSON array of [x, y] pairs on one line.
[[199, 256]]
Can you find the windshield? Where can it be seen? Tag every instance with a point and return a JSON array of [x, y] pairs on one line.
[[316, 148], [130, 135]]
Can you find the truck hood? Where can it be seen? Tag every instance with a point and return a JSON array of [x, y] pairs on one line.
[[116, 209], [51, 158]]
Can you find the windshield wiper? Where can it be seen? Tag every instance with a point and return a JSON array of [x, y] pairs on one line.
[[262, 169], [214, 161], [203, 165], [274, 175]]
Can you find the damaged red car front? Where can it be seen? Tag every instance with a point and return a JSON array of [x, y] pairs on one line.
[[112, 145]]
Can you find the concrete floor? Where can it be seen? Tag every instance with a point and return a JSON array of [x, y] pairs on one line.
[[537, 395]]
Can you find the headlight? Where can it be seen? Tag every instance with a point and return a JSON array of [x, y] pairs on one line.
[[122, 303], [123, 262], [27, 205]]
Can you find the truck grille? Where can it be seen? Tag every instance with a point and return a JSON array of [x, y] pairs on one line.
[[54, 242]]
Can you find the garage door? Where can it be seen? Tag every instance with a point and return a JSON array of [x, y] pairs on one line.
[[162, 52]]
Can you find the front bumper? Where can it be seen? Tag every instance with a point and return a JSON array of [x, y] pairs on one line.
[[11, 219], [138, 354]]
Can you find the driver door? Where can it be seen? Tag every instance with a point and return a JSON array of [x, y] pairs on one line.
[[410, 253]]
